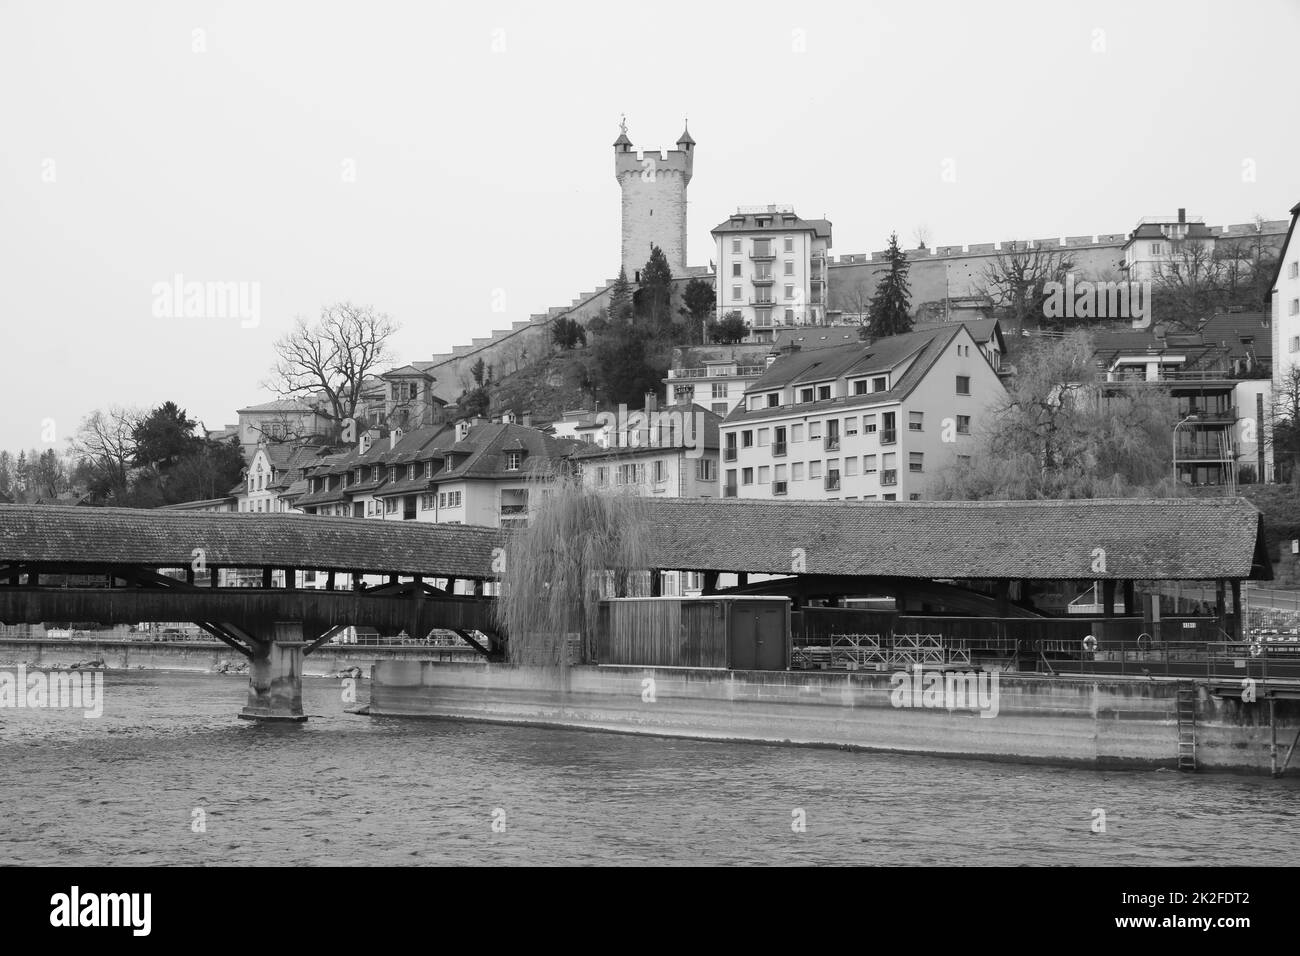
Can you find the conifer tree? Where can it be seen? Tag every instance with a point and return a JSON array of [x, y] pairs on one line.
[[888, 312]]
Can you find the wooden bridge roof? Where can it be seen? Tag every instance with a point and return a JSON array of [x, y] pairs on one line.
[[1150, 539], [168, 539]]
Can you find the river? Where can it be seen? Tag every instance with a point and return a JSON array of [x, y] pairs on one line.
[[169, 775]]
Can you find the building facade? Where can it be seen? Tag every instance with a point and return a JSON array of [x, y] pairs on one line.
[[772, 269], [1286, 306], [859, 422]]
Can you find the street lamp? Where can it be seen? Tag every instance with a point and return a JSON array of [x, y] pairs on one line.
[[1193, 417]]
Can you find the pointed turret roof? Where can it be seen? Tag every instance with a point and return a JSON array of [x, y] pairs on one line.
[[685, 138]]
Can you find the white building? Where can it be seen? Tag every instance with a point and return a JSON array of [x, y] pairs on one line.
[[718, 386], [1286, 306], [771, 268], [859, 422], [1160, 241]]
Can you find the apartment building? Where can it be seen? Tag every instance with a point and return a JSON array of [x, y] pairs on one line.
[[718, 385], [859, 422], [670, 452], [1286, 305], [772, 268]]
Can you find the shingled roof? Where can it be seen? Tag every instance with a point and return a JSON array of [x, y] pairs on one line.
[[1148, 539], [108, 536]]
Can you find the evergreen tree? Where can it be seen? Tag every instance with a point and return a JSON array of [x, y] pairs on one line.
[[657, 290], [6, 474], [888, 312], [21, 476], [620, 299]]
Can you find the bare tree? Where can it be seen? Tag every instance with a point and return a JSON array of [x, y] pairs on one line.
[[104, 447], [1015, 281], [327, 365], [1187, 285], [855, 300], [1285, 431], [922, 236]]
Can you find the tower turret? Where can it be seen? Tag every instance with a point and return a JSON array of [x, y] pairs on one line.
[[653, 182]]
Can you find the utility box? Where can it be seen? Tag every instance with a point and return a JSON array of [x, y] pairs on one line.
[[727, 633]]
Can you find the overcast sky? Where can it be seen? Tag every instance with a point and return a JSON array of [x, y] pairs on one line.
[[478, 141]]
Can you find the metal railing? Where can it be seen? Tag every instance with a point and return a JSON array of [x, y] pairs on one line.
[[778, 449], [889, 477], [888, 436], [729, 453]]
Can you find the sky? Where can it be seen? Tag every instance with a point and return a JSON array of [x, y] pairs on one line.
[[451, 165]]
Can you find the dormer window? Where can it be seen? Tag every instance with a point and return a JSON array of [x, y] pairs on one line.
[[410, 471], [392, 473], [514, 460]]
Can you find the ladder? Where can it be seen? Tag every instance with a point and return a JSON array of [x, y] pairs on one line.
[[1186, 709]]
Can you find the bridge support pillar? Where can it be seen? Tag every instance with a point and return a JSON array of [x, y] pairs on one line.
[[275, 675]]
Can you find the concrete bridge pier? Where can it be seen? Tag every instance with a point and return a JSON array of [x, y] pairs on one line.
[[275, 675]]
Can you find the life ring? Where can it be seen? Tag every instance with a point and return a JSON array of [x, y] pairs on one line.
[[1256, 648], [1144, 641], [1090, 643]]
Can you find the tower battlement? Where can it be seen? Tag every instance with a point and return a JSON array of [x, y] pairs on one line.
[[653, 183]]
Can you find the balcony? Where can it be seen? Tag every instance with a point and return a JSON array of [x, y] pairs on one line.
[[779, 487], [832, 443], [729, 453], [778, 449], [889, 477], [833, 481], [763, 280], [728, 491], [888, 436], [1218, 415], [763, 252]]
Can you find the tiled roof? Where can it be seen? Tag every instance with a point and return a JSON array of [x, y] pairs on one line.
[[102, 536], [860, 359], [1149, 539], [1229, 328]]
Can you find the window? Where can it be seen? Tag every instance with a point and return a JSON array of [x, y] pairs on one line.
[[779, 472], [914, 421], [1157, 248], [719, 389], [913, 497], [773, 399], [1295, 307], [789, 292], [963, 424], [833, 475], [390, 506], [762, 437], [963, 384], [747, 439], [796, 433], [1293, 344], [851, 425], [868, 464], [890, 497], [832, 434], [719, 409], [735, 270], [814, 431], [514, 459], [747, 476], [453, 499], [860, 387], [426, 502], [823, 392], [789, 267], [729, 487], [1293, 270], [735, 246], [763, 317], [660, 471], [888, 435], [762, 248], [789, 243], [796, 471], [916, 461], [763, 472], [850, 467], [805, 395], [705, 470], [869, 424], [880, 383], [814, 469]]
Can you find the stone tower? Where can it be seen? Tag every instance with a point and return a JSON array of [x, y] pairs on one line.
[[654, 200]]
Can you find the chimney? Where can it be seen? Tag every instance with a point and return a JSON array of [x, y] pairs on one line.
[[771, 357], [363, 443], [528, 420], [1182, 216], [651, 402], [393, 438], [462, 430], [478, 420]]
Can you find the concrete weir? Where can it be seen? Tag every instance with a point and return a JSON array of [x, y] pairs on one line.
[[1102, 722]]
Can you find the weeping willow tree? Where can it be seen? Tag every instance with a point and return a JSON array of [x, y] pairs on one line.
[[580, 545]]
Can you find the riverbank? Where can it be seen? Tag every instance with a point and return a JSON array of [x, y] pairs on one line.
[[203, 656], [1098, 722]]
